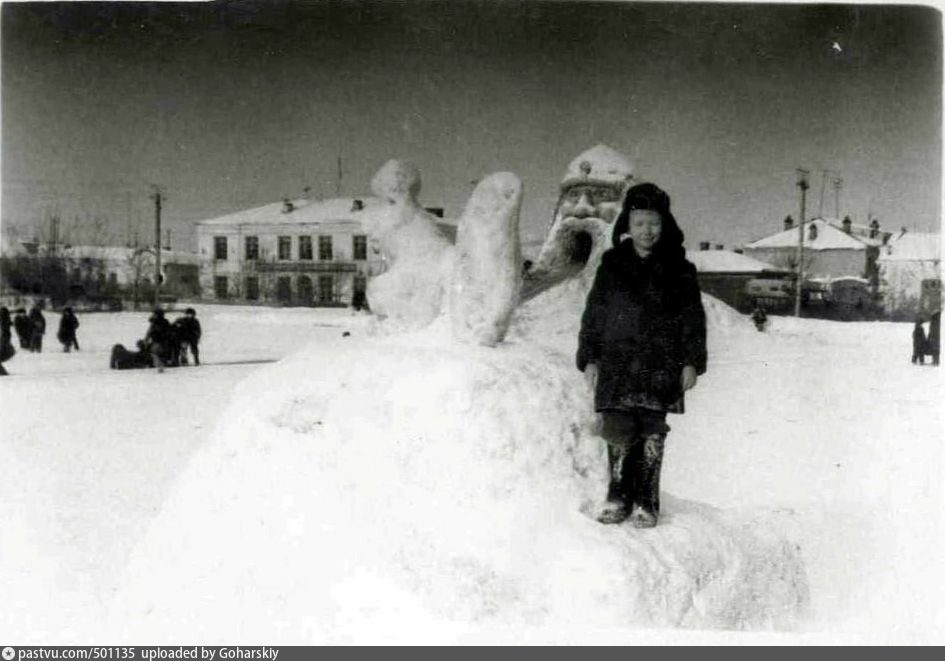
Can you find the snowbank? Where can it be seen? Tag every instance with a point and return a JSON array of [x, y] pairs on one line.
[[407, 488]]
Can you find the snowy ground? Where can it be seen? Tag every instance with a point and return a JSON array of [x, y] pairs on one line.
[[824, 430]]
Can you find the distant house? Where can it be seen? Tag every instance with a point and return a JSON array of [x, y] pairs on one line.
[[726, 275], [119, 268], [295, 252], [74, 273], [832, 249], [910, 273]]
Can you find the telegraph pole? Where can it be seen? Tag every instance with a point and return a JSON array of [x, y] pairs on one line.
[[837, 185], [823, 187], [157, 244], [803, 184]]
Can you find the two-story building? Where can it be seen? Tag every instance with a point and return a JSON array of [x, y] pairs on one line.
[[299, 252]]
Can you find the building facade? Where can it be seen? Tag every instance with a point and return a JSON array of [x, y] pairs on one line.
[[301, 252], [910, 275], [832, 249], [726, 275]]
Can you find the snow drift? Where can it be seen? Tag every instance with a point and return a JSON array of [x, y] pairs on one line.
[[381, 488]]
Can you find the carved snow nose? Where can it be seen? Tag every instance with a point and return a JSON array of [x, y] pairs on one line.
[[583, 208]]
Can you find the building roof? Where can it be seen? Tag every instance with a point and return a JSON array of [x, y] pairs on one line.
[[726, 261], [912, 246], [829, 237], [338, 209]]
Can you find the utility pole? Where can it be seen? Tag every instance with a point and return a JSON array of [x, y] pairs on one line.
[[338, 183], [837, 185], [803, 184], [157, 243]]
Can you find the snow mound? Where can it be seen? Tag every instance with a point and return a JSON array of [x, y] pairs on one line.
[[421, 490]]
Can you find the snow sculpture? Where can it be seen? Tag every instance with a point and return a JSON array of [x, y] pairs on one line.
[[487, 268], [432, 489], [410, 293]]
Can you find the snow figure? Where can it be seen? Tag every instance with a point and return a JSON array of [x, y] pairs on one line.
[[411, 293], [407, 487], [486, 273], [478, 281]]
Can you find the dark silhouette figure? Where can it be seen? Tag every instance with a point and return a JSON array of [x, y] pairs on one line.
[[68, 325], [24, 328], [122, 359], [38, 329], [188, 333], [759, 317], [919, 344], [935, 326], [6, 342], [161, 341]]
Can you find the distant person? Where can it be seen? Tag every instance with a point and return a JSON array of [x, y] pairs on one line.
[[935, 326], [642, 345], [24, 328], [38, 329], [6, 339], [920, 344], [188, 334], [759, 317], [68, 325], [160, 340]]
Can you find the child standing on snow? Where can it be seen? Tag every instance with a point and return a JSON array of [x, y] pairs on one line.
[[641, 346]]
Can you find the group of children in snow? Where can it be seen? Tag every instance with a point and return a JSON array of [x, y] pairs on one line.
[[164, 343], [30, 330]]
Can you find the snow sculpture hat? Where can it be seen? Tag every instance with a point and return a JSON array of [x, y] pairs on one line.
[[600, 165], [651, 197]]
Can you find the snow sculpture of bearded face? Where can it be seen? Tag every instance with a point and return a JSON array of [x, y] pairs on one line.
[[591, 194]]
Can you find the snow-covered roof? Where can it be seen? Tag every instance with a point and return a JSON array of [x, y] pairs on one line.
[[599, 164], [726, 261], [828, 237], [912, 246], [303, 211]]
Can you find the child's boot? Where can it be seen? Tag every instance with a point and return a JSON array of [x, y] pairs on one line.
[[617, 507], [646, 501]]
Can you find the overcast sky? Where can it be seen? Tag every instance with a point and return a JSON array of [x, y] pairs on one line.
[[232, 107]]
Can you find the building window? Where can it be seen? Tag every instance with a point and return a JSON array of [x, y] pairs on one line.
[[326, 286], [252, 288], [220, 286], [113, 278], [76, 275], [219, 247], [252, 247], [324, 248], [360, 246], [285, 247], [305, 247], [305, 290], [284, 289]]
